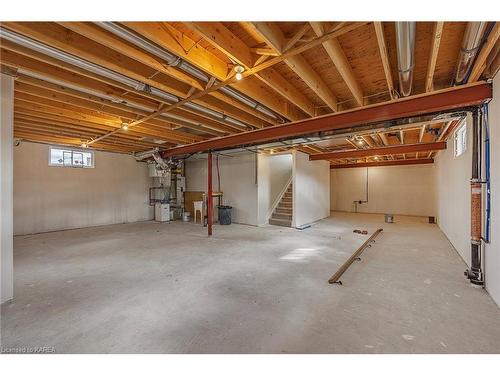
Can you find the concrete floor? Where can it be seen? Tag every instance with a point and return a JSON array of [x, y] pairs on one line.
[[166, 288]]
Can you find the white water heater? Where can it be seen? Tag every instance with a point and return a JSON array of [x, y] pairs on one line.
[[162, 212]]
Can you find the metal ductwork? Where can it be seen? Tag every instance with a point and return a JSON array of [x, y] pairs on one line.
[[405, 45], [173, 60], [471, 44], [104, 72]]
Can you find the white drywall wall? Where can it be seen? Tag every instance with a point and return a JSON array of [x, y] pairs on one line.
[[311, 189], [492, 250], [238, 175], [6, 198], [403, 190], [453, 194], [274, 171], [53, 198]]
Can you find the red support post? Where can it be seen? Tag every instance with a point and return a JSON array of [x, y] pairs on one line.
[[209, 198]]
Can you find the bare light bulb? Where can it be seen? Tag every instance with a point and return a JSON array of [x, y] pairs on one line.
[[360, 142], [125, 126], [85, 145], [239, 70]]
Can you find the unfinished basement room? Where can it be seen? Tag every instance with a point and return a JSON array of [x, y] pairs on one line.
[[250, 187]]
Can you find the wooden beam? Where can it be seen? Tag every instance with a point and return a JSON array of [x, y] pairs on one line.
[[281, 85], [380, 151], [383, 163], [101, 36], [296, 37], [274, 37], [254, 70], [480, 63], [179, 44], [339, 59], [449, 99], [224, 40], [421, 133], [431, 66], [384, 139], [402, 136], [264, 52], [379, 31]]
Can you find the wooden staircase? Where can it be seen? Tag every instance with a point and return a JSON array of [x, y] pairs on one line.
[[282, 215]]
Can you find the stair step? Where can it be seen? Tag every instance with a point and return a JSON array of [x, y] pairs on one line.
[[280, 222], [283, 210], [285, 205], [286, 200], [282, 216]]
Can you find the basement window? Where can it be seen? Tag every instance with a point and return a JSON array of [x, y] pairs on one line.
[[73, 158], [460, 140]]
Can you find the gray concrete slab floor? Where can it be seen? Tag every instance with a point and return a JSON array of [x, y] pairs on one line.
[[166, 288]]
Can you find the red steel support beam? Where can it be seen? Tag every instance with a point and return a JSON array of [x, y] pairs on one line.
[[437, 101], [209, 195], [390, 150], [383, 163]]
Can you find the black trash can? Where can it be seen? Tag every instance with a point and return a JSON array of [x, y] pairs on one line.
[[224, 215]]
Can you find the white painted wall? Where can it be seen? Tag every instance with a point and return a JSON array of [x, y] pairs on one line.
[[54, 198], [492, 250], [274, 171], [6, 196], [311, 189], [238, 175], [453, 193], [403, 190], [453, 188]]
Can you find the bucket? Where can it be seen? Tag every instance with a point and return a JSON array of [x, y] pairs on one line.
[[186, 216], [389, 218]]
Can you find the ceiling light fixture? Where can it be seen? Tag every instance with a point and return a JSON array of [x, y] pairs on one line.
[[124, 126], [85, 145], [239, 70], [359, 142]]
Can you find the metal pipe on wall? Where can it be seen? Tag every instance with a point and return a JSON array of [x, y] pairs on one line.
[[475, 273]]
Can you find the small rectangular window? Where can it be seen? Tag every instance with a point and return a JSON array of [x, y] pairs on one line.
[[73, 158], [460, 140]]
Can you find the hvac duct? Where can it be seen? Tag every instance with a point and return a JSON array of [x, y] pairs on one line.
[[173, 60], [405, 45], [471, 43], [104, 72]]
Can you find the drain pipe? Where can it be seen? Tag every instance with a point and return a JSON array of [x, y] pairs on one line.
[[405, 45], [475, 273], [366, 195], [471, 43]]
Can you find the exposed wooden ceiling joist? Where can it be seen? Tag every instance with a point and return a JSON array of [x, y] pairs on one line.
[[339, 59], [274, 37]]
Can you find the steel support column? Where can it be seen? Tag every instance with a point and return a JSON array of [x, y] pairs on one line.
[[209, 195]]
